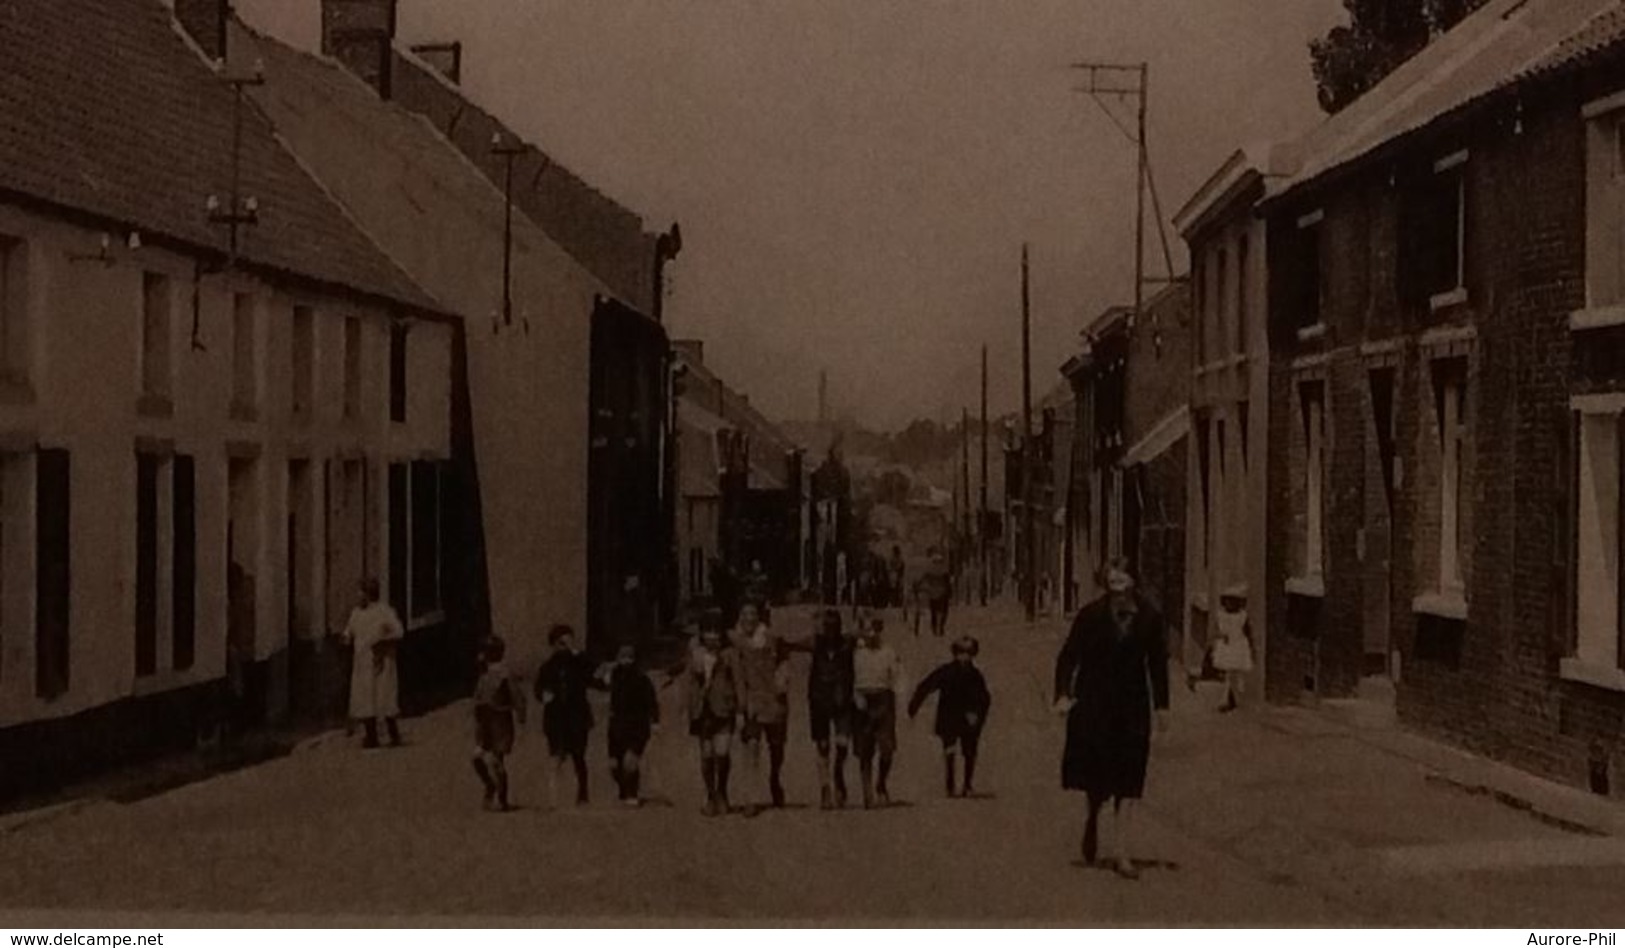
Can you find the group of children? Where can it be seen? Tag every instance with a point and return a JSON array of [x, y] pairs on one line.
[[737, 686]]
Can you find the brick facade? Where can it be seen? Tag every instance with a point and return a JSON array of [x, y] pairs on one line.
[[1483, 672]]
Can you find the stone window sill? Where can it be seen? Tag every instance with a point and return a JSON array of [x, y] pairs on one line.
[[1589, 673], [1309, 333], [1311, 586], [1442, 605], [1597, 317], [1448, 300]]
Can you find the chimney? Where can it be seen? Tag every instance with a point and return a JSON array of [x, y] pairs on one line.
[[360, 34], [205, 22], [444, 58]]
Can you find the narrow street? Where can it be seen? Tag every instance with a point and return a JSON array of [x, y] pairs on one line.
[[1268, 817]]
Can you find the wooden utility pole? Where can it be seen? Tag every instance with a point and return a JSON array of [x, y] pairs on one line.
[[981, 522], [964, 477], [1028, 557]]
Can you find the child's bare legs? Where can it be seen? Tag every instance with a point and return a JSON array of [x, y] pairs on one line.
[[775, 768], [484, 771], [751, 742], [969, 745], [578, 760], [715, 764], [948, 754], [1123, 821]]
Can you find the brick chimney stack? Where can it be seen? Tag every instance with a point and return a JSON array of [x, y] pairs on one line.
[[360, 34], [205, 21]]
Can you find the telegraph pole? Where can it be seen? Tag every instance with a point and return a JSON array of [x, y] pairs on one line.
[[1106, 80], [981, 523], [1027, 552], [964, 468]]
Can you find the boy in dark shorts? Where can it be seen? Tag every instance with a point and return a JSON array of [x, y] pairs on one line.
[[962, 704], [634, 713], [499, 703], [562, 684], [829, 703]]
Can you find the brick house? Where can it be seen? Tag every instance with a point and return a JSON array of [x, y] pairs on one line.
[[207, 441], [1445, 392], [1131, 387], [1229, 394]]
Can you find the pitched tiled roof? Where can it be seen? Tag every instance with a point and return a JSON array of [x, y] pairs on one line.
[[106, 110], [602, 235], [1501, 44]]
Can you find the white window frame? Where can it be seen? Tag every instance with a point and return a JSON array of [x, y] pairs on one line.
[[1452, 449], [1313, 416], [1316, 329], [1594, 656], [302, 383], [1604, 215], [1456, 164]]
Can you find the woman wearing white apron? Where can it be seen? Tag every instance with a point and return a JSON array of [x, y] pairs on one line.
[[1233, 645], [374, 633]]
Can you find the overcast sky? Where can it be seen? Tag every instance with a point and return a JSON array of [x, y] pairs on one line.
[[855, 178]]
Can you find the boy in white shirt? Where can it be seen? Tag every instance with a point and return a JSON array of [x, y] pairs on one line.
[[877, 677]]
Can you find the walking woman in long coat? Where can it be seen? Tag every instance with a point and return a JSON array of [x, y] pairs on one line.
[[1110, 678], [374, 633]]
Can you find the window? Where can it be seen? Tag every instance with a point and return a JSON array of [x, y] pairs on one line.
[[1312, 399], [1605, 210], [15, 309], [245, 380], [1205, 472], [183, 550], [1199, 285], [53, 575], [1449, 386], [304, 361], [352, 368], [1304, 288], [148, 468], [397, 371], [426, 514], [155, 322], [400, 539], [1221, 303], [1434, 263], [1242, 415], [1242, 279], [1597, 519]]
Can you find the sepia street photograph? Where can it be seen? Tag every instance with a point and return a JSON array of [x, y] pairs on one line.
[[811, 464]]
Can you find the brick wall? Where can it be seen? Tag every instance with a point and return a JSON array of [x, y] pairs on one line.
[[1490, 683]]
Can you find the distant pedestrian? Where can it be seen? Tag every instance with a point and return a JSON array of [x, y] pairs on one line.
[[714, 702], [499, 707], [1232, 652], [562, 686], [1110, 675], [765, 681], [843, 588], [374, 632], [877, 676], [897, 572], [937, 588], [962, 705], [634, 714]]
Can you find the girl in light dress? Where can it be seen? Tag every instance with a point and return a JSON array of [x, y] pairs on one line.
[[1233, 645]]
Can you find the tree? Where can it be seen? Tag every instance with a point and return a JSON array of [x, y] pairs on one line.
[[1380, 35]]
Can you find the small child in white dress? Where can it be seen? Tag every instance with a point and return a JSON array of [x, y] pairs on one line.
[[1233, 646]]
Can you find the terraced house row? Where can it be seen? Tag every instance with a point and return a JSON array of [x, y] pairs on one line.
[[1410, 321], [272, 322]]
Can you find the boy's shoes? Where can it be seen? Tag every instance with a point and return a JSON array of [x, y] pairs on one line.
[[631, 803], [882, 799], [1127, 869], [778, 798], [1091, 843]]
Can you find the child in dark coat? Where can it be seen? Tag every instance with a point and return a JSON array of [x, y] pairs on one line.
[[499, 705], [634, 713], [562, 685], [962, 705]]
